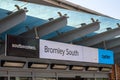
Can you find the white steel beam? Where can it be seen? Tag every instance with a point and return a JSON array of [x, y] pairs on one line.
[[77, 33], [108, 44], [46, 28], [99, 37], [12, 20]]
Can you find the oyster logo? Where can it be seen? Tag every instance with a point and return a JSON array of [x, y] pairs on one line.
[[23, 46]]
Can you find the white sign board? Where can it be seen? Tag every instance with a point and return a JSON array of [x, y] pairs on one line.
[[60, 51], [90, 54]]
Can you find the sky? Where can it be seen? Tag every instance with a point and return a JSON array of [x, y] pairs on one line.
[[107, 7]]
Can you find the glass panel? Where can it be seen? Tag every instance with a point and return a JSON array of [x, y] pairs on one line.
[[95, 79], [37, 78], [20, 78], [67, 79], [12, 78], [3, 78], [102, 79]]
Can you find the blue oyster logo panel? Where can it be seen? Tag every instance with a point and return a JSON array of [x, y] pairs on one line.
[[105, 56]]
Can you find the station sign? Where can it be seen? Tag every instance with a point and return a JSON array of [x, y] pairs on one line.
[[45, 49], [70, 52], [60, 51]]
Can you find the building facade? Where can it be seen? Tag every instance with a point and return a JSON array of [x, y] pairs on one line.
[[69, 28]]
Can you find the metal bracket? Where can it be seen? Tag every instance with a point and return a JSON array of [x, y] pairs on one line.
[[36, 33]]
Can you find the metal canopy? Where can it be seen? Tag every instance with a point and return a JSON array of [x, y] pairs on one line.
[[46, 28], [12, 20], [116, 49], [108, 44], [100, 37], [77, 33]]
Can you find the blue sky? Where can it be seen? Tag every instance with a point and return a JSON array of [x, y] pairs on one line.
[[107, 7]]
